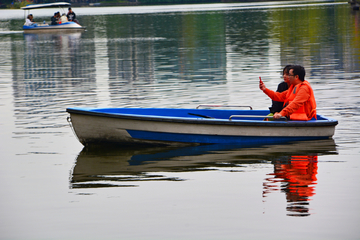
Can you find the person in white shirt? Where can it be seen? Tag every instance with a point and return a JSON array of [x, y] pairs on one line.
[[64, 18], [29, 20]]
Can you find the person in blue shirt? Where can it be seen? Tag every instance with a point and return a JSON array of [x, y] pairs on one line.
[[55, 18]]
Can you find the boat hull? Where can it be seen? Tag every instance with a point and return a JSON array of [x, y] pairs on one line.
[[45, 28], [102, 127]]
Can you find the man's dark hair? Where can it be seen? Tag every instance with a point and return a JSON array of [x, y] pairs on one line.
[[298, 70], [286, 69]]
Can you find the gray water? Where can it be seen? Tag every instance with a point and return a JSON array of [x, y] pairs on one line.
[[178, 56]]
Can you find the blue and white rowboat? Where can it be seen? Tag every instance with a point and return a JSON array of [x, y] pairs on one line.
[[196, 126]]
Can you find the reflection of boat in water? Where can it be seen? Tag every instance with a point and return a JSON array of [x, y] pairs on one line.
[[195, 126], [65, 45], [295, 166], [126, 164], [32, 37], [47, 28]]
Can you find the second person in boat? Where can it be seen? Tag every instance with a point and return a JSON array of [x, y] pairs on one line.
[[55, 19]]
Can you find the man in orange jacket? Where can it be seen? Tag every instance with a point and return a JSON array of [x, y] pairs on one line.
[[299, 100]]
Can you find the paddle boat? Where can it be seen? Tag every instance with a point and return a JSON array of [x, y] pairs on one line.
[[206, 125], [355, 4], [45, 27]]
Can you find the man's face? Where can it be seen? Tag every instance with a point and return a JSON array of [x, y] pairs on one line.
[[291, 76]]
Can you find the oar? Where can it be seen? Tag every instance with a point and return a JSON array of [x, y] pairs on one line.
[[199, 115]]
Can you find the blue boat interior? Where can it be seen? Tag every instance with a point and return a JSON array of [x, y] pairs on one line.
[[220, 114], [182, 113]]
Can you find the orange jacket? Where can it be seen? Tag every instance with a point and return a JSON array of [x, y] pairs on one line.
[[304, 97]]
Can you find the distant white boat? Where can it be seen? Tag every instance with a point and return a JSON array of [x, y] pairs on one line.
[[355, 4], [44, 27]]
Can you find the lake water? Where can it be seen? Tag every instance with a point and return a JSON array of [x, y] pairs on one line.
[[178, 56]]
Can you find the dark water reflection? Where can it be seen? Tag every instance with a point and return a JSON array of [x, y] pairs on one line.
[[295, 166]]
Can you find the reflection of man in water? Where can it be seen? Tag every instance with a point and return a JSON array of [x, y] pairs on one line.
[[297, 175]]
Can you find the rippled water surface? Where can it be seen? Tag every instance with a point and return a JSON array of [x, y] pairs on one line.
[[178, 56]]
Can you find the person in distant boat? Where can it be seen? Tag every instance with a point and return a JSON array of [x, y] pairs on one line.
[[30, 21], [63, 18], [71, 16], [283, 86], [299, 100], [55, 19]]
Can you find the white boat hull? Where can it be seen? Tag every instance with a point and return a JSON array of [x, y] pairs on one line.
[[45, 28], [100, 128]]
